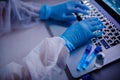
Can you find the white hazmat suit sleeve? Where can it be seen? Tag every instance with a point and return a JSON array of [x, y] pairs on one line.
[[16, 14], [44, 62]]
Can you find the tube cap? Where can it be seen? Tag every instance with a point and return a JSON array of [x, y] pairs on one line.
[[98, 49]]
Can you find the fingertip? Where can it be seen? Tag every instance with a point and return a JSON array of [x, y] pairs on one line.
[[87, 8], [84, 12], [96, 19], [73, 19], [84, 7], [92, 19], [102, 26], [97, 34], [70, 18]]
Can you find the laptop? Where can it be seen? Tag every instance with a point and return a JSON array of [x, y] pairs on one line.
[[108, 11]]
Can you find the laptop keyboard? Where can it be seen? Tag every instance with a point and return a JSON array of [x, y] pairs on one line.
[[111, 34]]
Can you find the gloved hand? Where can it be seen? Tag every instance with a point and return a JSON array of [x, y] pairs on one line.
[[81, 32], [62, 12]]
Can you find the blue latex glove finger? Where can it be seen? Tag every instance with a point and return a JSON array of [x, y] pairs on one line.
[[83, 12], [80, 33], [92, 19], [96, 27], [81, 6], [96, 34], [76, 10], [95, 23], [69, 17]]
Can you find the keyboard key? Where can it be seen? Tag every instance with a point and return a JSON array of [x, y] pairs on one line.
[[114, 25], [118, 29], [118, 37], [113, 30], [116, 34], [109, 41], [78, 17], [103, 32], [113, 44], [91, 6], [104, 44], [116, 41], [106, 30], [106, 37], [87, 4], [101, 18], [106, 23], [110, 34], [98, 44], [110, 27], [94, 9], [98, 14], [113, 38], [100, 37], [94, 40]]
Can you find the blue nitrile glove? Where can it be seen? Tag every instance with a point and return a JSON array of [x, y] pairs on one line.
[[81, 32], [62, 12]]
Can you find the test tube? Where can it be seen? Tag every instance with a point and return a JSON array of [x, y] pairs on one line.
[[92, 56], [85, 54]]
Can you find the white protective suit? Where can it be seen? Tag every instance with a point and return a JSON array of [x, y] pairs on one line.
[[17, 12], [44, 62]]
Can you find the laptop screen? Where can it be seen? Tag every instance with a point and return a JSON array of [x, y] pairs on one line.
[[114, 4], [112, 7]]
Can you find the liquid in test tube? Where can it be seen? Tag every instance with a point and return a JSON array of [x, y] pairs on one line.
[[92, 56], [85, 54]]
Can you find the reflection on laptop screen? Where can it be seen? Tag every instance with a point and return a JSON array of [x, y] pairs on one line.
[[114, 4]]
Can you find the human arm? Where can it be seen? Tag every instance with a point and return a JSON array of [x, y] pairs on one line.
[[46, 60]]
